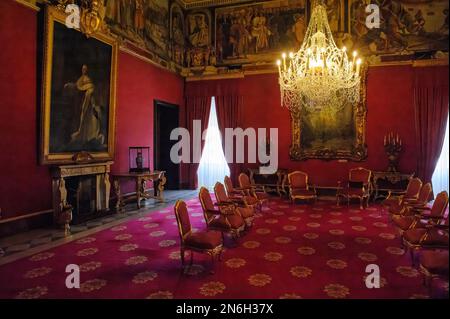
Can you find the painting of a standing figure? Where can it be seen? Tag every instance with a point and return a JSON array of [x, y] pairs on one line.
[[79, 93]]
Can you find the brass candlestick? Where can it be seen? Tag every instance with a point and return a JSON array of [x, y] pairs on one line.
[[393, 148]]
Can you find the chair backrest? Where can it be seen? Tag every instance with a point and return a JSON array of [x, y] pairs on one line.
[[205, 199], [228, 184], [221, 194], [244, 180], [360, 174], [207, 204], [413, 188], [424, 194], [183, 222], [440, 205], [298, 180]]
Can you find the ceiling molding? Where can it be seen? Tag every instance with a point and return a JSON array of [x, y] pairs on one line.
[[30, 4], [193, 4]]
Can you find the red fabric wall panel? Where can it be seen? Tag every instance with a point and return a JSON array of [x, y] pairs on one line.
[[390, 108], [138, 85], [25, 186]]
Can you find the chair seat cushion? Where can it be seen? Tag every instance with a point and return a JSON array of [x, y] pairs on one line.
[[414, 235], [220, 222], [355, 192], [261, 195], [246, 212], [435, 237], [435, 261], [396, 208], [204, 240], [391, 201], [303, 192], [403, 222], [250, 200]]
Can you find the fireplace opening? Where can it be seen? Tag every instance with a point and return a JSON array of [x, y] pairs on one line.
[[82, 195]]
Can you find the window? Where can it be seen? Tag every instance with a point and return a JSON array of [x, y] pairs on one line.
[[440, 175], [213, 166]]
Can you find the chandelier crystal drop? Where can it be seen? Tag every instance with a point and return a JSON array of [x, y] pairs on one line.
[[319, 75]]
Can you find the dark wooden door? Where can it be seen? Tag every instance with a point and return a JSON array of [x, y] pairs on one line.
[[166, 118]]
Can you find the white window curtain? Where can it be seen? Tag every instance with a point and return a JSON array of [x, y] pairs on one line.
[[213, 166], [440, 175]]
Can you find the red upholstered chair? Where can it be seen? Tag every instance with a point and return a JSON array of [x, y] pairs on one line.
[[358, 186], [411, 193], [228, 223], [299, 187], [429, 237], [231, 190], [236, 195], [207, 242], [404, 206], [434, 263], [250, 190], [239, 205], [419, 217]]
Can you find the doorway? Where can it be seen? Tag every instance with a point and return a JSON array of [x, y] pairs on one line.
[[166, 118]]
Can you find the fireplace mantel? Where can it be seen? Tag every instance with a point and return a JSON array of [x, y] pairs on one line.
[[61, 205]]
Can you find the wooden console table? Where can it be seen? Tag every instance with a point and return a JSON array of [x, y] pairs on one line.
[[269, 182], [389, 182], [142, 192]]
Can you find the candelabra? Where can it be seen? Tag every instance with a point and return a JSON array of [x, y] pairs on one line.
[[393, 148]]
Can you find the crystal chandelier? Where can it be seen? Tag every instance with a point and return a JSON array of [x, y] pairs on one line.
[[319, 75]]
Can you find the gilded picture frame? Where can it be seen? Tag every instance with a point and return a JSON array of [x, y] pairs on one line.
[[353, 147], [78, 93]]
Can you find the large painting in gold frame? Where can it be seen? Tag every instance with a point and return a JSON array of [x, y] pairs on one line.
[[78, 93], [329, 136]]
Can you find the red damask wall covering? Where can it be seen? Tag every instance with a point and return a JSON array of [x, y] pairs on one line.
[[390, 108], [25, 186]]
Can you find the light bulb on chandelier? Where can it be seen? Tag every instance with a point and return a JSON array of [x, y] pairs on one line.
[[319, 75]]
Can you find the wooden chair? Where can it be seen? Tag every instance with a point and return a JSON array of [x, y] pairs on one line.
[[299, 187], [250, 190], [227, 223], [206, 242], [417, 217], [239, 205], [433, 264], [411, 193], [428, 238], [231, 190], [357, 186], [401, 208]]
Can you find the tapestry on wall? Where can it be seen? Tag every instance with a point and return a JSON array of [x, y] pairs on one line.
[[405, 26], [259, 31], [143, 22], [78, 93]]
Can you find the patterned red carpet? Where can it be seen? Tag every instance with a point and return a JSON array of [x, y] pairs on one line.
[[300, 251]]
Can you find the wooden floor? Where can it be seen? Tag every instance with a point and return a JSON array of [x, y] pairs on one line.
[[28, 243]]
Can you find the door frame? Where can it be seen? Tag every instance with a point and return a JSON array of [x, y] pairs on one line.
[[156, 105]]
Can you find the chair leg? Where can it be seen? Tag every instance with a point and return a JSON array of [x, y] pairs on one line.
[[361, 203], [212, 265], [411, 253], [182, 256]]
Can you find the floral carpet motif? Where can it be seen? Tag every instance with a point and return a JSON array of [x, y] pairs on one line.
[[292, 251]]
